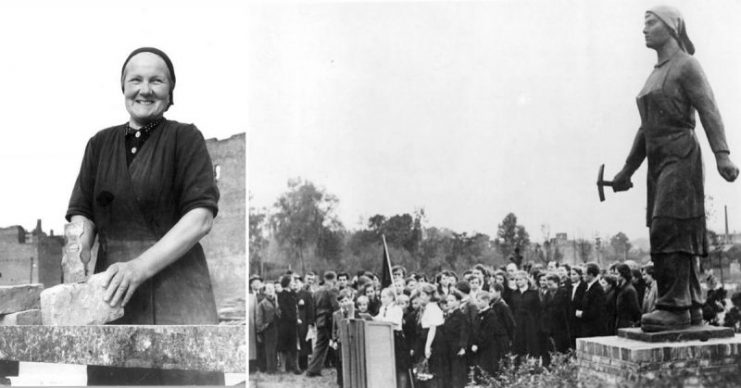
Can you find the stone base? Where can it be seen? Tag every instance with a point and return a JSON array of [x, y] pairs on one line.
[[221, 348], [701, 333], [622, 361]]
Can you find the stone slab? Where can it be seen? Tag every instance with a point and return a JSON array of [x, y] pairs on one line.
[[78, 304], [702, 333], [19, 298], [185, 347], [28, 317]]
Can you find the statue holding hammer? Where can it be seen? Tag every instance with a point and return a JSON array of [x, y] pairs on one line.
[[676, 88]]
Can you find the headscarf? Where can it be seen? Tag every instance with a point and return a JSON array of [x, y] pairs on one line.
[[674, 20], [158, 53]]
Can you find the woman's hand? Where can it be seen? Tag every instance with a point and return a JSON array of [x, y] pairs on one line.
[[428, 352], [726, 167], [622, 182], [121, 280]]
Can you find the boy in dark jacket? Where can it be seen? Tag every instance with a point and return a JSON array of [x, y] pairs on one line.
[[455, 335], [496, 330], [347, 310]]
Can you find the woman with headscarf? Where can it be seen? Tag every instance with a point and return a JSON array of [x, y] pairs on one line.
[[628, 311], [146, 188], [676, 88]]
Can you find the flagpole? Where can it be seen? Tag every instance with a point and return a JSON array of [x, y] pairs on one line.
[[388, 259]]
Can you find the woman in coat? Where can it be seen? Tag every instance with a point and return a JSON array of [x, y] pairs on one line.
[[627, 308], [526, 309]]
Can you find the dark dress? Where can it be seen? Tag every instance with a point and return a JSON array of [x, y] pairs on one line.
[[627, 308], [526, 310], [133, 207]]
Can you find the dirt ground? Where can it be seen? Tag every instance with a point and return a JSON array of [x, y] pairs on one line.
[[288, 380]]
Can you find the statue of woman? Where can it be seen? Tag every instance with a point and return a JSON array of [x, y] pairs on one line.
[[676, 88]]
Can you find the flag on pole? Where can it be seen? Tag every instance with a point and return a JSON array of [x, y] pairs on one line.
[[386, 279]]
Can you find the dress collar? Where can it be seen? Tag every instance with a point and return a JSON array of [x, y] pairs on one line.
[[145, 130]]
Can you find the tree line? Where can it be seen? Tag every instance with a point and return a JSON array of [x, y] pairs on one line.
[[302, 231]]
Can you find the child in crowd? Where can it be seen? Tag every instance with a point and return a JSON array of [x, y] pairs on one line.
[[455, 334], [374, 303], [496, 329], [347, 310], [390, 311], [362, 305]]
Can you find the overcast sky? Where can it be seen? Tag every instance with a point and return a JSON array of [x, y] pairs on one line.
[[472, 110], [61, 84]]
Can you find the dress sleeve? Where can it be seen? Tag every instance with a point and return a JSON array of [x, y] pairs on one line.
[[194, 173], [81, 200], [697, 88], [432, 316]]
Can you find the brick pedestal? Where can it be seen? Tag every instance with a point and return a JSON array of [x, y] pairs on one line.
[[619, 360]]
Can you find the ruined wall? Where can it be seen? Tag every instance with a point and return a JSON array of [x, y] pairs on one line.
[[15, 257], [18, 247], [225, 246], [50, 260]]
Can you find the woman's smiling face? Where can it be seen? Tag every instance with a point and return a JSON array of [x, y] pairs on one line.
[[147, 86]]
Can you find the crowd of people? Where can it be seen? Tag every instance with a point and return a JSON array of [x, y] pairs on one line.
[[452, 326]]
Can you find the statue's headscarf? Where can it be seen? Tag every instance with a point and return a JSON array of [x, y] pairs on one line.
[[674, 20]]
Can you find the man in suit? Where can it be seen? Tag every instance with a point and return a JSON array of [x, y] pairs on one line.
[[325, 304], [306, 321], [592, 315]]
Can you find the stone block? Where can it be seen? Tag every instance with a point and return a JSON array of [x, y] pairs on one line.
[[183, 347], [702, 333], [19, 298], [78, 304], [76, 266], [28, 317]]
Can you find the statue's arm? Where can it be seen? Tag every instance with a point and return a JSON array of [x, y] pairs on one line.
[[700, 94], [637, 153], [697, 88]]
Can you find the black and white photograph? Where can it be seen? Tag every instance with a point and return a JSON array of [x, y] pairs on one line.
[[494, 193], [122, 221]]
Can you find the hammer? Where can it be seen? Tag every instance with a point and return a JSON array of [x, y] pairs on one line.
[[601, 183]]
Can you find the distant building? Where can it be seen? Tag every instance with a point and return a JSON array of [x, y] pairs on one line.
[[225, 246], [30, 257]]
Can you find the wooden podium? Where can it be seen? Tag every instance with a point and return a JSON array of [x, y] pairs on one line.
[[368, 359]]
